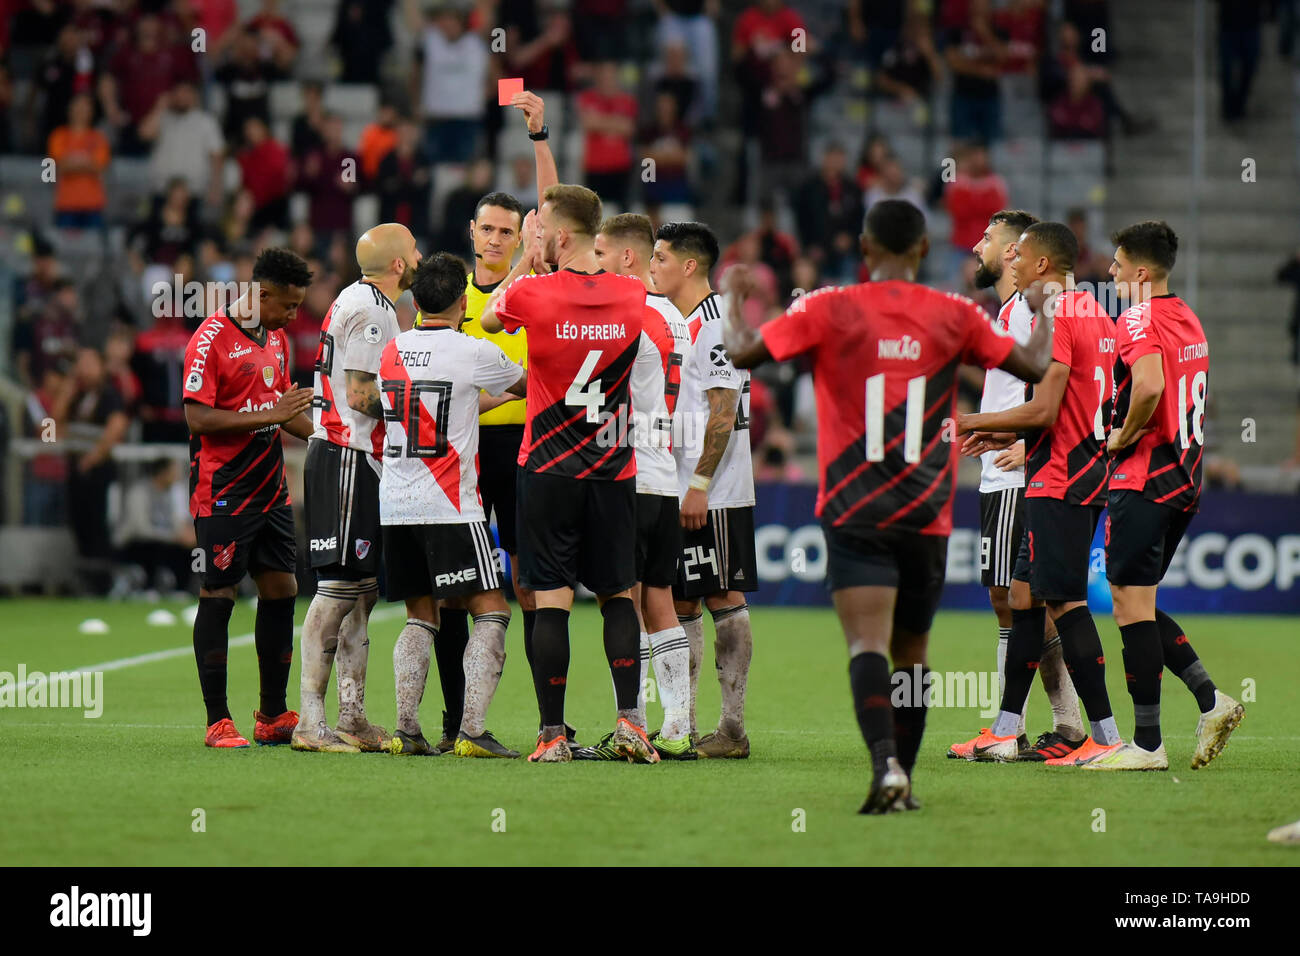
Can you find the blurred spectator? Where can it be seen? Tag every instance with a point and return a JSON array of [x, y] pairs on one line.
[[761, 32], [746, 251], [7, 143], [540, 46], [672, 74], [36, 25], [377, 140], [775, 458], [215, 18], [892, 183], [1077, 112], [325, 180], [80, 153], [304, 331], [600, 29], [404, 182], [155, 530], [773, 248], [276, 40], [520, 180], [172, 228], [783, 124], [362, 34], [974, 54], [138, 78], [45, 487], [1087, 17], [1055, 70], [119, 348], [90, 411], [971, 198], [691, 24], [31, 292], [1239, 25], [451, 82], [460, 204], [158, 363], [828, 210], [875, 26], [1289, 273], [187, 144], [607, 114], [68, 69], [910, 66], [308, 126], [665, 139], [246, 75], [265, 172], [1021, 23], [875, 151], [1090, 265], [51, 337]]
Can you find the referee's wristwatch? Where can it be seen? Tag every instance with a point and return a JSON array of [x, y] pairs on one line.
[[540, 135]]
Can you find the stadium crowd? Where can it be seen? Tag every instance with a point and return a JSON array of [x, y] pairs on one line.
[[713, 96]]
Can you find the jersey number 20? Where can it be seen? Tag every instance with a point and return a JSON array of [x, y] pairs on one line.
[[406, 406]]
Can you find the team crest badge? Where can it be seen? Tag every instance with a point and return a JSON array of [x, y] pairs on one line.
[[223, 556], [268, 375], [363, 548]]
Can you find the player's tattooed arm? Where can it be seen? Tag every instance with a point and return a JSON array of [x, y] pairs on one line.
[[363, 394], [722, 419], [745, 346]]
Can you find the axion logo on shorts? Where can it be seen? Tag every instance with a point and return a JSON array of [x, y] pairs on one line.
[[326, 544], [222, 556], [456, 577], [363, 547]]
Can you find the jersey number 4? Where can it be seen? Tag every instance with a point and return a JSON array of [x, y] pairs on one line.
[[585, 390], [406, 408]]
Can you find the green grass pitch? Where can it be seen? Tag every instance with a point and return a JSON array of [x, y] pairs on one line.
[[122, 789]]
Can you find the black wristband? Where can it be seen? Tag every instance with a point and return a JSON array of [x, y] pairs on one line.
[[542, 134]]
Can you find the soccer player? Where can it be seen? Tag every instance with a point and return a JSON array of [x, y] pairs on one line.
[[1156, 442], [1002, 502], [885, 356], [577, 502], [494, 231], [624, 246], [715, 480], [1066, 491], [237, 398], [341, 491], [437, 543]]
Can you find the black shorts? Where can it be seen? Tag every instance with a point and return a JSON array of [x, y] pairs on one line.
[[498, 468], [576, 530], [340, 492], [913, 563], [1141, 538], [718, 557], [1059, 543], [658, 540], [1002, 525], [235, 545], [442, 560]]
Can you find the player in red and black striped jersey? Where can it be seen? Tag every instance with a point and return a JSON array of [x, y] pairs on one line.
[[885, 357], [1065, 491], [1156, 440], [237, 399], [577, 502]]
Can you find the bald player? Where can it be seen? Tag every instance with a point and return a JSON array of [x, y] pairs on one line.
[[341, 491]]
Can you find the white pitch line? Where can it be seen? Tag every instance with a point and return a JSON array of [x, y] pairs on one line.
[[243, 640]]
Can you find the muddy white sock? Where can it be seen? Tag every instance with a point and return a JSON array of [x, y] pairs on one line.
[[694, 630], [411, 671], [353, 656], [670, 653], [485, 657], [320, 641], [733, 647], [1066, 718]]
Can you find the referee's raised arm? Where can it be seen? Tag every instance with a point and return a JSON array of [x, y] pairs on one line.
[[534, 110]]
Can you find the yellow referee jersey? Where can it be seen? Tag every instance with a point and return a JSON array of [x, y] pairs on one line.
[[514, 344]]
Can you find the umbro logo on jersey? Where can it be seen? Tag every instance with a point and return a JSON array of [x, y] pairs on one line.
[[326, 544], [223, 556], [718, 356], [247, 368], [363, 548], [456, 577], [904, 348]]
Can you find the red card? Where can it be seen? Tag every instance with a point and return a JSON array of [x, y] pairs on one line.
[[507, 88]]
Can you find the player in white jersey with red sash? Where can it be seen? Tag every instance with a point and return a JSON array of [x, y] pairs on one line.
[[437, 543]]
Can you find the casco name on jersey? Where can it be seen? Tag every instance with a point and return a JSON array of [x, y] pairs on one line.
[[1192, 352], [904, 348], [574, 332], [413, 359], [456, 577], [324, 544]]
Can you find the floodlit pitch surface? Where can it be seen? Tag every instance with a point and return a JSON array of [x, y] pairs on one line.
[[126, 788]]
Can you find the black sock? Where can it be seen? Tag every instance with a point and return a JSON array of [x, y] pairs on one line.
[[1142, 665], [273, 634], [211, 641], [869, 681], [551, 662], [908, 696], [622, 649], [530, 622], [1183, 662], [1024, 650], [449, 650], [1081, 648]]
